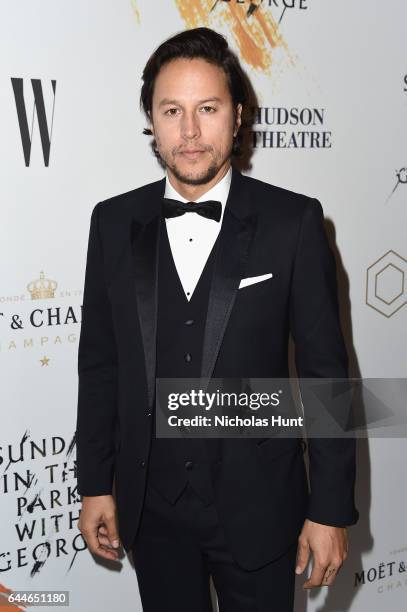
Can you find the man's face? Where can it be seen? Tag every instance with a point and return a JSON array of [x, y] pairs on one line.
[[193, 120]]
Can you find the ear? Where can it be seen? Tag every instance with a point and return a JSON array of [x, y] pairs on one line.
[[238, 119]]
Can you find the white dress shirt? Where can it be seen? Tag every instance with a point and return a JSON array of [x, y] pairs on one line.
[[192, 236]]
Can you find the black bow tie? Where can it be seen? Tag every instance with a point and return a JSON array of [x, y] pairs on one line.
[[211, 209]]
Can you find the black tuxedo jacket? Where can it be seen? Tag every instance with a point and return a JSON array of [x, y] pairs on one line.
[[262, 492]]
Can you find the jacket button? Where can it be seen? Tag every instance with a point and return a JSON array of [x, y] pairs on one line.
[[142, 463], [148, 414], [189, 465], [188, 357], [189, 322]]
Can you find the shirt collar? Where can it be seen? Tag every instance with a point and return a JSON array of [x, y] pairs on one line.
[[218, 192]]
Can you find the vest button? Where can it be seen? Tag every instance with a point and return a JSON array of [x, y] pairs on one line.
[[189, 322], [188, 357], [189, 465]]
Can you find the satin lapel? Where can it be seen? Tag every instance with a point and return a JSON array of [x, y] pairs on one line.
[[145, 236], [236, 233]]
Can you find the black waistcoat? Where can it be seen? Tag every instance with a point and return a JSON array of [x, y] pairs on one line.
[[180, 331]]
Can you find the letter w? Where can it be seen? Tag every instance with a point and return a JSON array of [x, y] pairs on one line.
[[39, 106]]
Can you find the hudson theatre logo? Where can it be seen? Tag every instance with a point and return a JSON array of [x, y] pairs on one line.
[[290, 128]]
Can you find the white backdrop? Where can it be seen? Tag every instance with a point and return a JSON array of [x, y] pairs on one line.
[[343, 61]]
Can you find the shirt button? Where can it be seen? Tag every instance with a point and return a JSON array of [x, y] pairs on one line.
[[189, 322], [189, 465], [188, 357]]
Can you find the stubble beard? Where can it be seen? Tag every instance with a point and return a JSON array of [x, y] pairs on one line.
[[203, 177], [195, 178]]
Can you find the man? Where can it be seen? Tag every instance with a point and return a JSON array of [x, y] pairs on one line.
[[163, 298]]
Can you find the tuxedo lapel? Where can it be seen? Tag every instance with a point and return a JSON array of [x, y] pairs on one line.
[[145, 234], [237, 230], [230, 257]]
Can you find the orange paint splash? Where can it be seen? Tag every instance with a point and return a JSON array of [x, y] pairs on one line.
[[195, 13], [135, 10], [256, 36], [8, 607]]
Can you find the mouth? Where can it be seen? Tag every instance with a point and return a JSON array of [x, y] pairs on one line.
[[192, 153]]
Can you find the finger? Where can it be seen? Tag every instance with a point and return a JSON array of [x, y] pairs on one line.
[[103, 532], [333, 570], [103, 537], [104, 540], [317, 575], [91, 539], [303, 551], [112, 532], [106, 553], [329, 576]]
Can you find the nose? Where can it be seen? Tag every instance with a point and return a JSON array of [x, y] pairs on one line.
[[190, 126]]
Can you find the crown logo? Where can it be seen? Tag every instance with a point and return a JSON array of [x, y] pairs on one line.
[[42, 288]]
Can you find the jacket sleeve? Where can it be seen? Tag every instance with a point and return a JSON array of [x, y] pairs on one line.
[[320, 352], [97, 369]]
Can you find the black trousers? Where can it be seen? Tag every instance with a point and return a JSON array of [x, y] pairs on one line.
[[178, 547]]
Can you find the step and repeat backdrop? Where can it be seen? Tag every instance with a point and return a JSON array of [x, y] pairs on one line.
[[330, 121]]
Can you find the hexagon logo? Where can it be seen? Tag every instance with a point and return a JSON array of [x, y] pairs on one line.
[[386, 286]]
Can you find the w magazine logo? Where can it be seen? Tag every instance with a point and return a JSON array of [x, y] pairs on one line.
[[38, 110]]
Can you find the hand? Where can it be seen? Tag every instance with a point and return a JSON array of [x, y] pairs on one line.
[[97, 524], [329, 546]]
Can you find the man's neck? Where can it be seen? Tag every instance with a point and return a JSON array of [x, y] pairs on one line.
[[193, 192]]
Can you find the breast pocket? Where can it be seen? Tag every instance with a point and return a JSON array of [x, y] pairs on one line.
[[254, 280], [255, 287]]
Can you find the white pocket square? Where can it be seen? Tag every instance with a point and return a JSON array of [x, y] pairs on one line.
[[254, 279]]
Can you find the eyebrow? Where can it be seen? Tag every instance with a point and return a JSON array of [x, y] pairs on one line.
[[165, 101]]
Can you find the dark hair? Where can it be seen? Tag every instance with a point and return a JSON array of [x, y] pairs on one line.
[[201, 43]]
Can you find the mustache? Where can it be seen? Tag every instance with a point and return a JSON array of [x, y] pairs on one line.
[[191, 147]]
